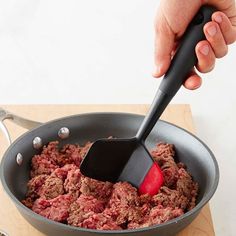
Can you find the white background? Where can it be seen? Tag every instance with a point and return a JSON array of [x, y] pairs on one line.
[[101, 51]]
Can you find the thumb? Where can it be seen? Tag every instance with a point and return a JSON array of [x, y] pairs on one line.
[[164, 45]]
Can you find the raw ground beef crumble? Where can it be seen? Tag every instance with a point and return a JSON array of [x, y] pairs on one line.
[[57, 190]]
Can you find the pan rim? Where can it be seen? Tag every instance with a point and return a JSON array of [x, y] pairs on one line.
[[31, 213]]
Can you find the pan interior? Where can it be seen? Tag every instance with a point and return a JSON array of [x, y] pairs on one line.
[[89, 127]]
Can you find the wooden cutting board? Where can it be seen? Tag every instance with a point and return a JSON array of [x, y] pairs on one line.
[[11, 221]]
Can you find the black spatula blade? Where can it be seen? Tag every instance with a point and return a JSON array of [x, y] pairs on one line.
[[106, 158], [121, 160]]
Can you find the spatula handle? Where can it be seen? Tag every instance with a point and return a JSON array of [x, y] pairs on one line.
[[184, 60]]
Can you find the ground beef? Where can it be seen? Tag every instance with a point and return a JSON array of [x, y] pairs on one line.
[[98, 189], [169, 197], [187, 187], [123, 194], [83, 208], [57, 190], [28, 202], [85, 149], [63, 171], [35, 186], [100, 221], [163, 152], [55, 209], [52, 187], [42, 164], [160, 214], [125, 205], [73, 182], [164, 155], [71, 154]]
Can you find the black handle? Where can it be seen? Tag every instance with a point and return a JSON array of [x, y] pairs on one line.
[[184, 60]]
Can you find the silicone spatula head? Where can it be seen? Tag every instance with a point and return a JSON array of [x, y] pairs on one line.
[[123, 160]]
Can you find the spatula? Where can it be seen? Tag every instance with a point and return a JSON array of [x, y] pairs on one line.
[[128, 159]]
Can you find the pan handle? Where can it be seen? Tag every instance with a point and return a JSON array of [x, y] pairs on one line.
[[25, 123]]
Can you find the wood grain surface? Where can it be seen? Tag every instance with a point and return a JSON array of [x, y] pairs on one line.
[[11, 221]]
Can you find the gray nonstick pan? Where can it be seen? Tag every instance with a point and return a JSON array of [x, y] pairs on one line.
[[15, 164]]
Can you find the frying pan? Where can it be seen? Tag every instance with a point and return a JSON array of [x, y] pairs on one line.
[[15, 165]]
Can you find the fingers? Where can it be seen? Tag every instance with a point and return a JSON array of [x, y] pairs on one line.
[[226, 27], [206, 62], [215, 38], [206, 57], [164, 43], [220, 32], [193, 82]]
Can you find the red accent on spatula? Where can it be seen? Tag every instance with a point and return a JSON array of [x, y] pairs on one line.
[[154, 175]]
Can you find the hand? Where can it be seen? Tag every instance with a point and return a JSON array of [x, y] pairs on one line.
[[172, 19]]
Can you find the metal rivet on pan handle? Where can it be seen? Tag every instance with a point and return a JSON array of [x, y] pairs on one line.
[[64, 133], [37, 143], [19, 160], [2, 233]]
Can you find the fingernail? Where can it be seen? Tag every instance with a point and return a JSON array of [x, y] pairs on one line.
[[196, 86], [205, 50], [192, 85], [212, 30], [218, 18]]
